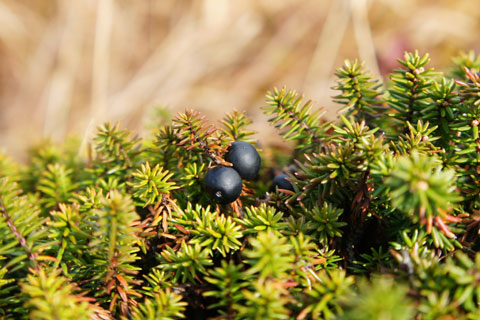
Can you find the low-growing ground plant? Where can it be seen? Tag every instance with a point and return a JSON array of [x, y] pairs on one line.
[[375, 215]]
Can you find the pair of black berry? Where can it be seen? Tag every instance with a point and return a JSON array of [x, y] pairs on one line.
[[225, 183]]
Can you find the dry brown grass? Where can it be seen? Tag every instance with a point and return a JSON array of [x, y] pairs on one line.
[[67, 66]]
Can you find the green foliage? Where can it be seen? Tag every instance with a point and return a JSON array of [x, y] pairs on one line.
[[324, 299], [408, 95], [43, 155], [211, 230], [235, 127], [426, 193], [420, 188], [374, 261], [268, 301], [269, 256], [228, 280], [383, 221], [290, 114], [193, 133], [51, 297], [469, 60], [149, 183], [360, 94], [186, 263], [217, 233], [55, 185], [305, 251], [446, 103], [447, 288], [22, 242], [115, 148], [71, 229], [114, 249], [380, 299], [365, 141], [9, 168], [165, 305], [328, 172], [262, 218], [324, 222], [416, 139]]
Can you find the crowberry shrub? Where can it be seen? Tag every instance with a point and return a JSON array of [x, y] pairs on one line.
[[376, 215]]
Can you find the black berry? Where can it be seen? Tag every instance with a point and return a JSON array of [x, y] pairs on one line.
[[224, 184], [280, 181], [245, 159]]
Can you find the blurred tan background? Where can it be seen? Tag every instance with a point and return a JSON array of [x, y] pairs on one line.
[[67, 66]]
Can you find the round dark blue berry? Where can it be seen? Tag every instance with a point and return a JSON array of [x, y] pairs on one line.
[[224, 184], [280, 181], [245, 159]]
